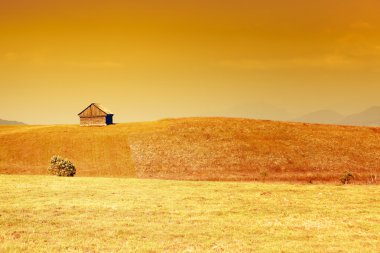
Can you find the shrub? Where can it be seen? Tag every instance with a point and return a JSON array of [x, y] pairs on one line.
[[264, 174], [61, 167], [372, 179], [347, 177]]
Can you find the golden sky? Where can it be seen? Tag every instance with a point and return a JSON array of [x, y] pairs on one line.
[[152, 59]]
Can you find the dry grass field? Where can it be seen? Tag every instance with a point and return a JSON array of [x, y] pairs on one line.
[[53, 214], [199, 149]]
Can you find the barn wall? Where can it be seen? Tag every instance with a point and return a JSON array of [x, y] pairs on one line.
[[92, 111], [93, 121]]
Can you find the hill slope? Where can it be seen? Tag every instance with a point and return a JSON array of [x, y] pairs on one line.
[[9, 122], [198, 149]]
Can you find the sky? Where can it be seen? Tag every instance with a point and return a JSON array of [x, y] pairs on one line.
[[151, 59]]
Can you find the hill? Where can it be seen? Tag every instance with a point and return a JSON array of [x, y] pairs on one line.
[[198, 149], [322, 116], [9, 122], [369, 117]]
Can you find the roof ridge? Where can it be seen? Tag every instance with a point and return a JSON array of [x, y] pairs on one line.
[[100, 107]]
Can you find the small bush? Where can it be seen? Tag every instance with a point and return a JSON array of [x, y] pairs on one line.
[[61, 167], [264, 174], [372, 179], [346, 178]]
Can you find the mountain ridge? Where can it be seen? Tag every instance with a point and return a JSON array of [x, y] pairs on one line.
[[10, 122], [367, 117], [321, 116]]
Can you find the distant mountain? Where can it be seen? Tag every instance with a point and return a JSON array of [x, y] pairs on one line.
[[257, 111], [322, 116], [8, 122], [369, 117]]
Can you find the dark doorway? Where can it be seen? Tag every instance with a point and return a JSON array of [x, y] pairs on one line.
[[109, 119]]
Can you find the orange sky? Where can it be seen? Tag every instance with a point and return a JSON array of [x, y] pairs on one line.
[[147, 60]]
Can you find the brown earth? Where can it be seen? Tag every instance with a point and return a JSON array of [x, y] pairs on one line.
[[199, 149]]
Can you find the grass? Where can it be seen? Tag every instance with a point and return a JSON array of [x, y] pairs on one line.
[[213, 149], [96, 151], [52, 214]]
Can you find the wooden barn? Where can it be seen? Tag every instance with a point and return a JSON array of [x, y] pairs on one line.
[[95, 115]]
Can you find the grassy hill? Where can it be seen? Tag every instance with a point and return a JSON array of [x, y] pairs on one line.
[[198, 149]]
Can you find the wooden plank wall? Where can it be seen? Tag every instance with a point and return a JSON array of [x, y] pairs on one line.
[[94, 121]]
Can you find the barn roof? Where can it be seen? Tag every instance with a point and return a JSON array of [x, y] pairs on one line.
[[103, 108], [100, 107]]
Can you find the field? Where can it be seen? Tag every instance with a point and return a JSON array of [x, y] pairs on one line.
[[217, 149], [80, 214]]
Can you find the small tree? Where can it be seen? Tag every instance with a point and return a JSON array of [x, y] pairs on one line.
[[61, 167]]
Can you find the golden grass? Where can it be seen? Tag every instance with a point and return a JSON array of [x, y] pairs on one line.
[[52, 214], [199, 149], [94, 150]]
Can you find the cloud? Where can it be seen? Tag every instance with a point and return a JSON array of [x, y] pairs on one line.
[[325, 61], [10, 56], [357, 46], [99, 64], [361, 25], [42, 59]]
